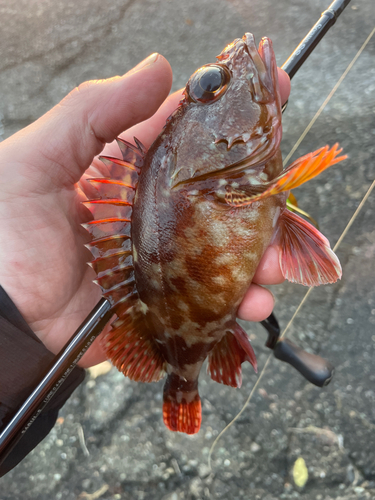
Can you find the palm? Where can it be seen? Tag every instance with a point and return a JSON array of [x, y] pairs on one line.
[[44, 260]]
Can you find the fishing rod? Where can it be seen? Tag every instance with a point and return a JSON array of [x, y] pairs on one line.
[[313, 37], [62, 366], [312, 367]]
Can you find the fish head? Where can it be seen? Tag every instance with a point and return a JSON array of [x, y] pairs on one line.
[[234, 101]]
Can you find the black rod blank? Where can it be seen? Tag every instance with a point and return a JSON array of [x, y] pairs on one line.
[[311, 40], [63, 365]]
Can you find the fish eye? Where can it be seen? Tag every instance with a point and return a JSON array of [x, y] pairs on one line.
[[208, 83]]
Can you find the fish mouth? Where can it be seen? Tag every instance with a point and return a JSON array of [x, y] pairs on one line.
[[262, 74]]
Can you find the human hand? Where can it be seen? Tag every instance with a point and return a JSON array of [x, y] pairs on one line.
[[41, 241]]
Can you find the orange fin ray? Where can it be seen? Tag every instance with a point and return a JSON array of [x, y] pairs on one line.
[[182, 410], [102, 265], [224, 362], [108, 189], [244, 341], [109, 245], [121, 292], [299, 172], [111, 279], [133, 353], [183, 417], [305, 256], [120, 170], [107, 227], [109, 209]]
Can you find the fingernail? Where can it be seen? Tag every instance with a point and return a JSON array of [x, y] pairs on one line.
[[146, 62]]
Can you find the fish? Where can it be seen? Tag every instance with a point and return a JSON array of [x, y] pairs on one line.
[[178, 230]]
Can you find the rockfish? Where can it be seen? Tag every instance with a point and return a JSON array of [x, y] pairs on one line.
[[178, 230]]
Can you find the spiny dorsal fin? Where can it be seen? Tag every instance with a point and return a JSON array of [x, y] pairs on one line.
[[103, 228], [121, 170], [111, 262], [108, 209], [128, 344], [132, 154], [111, 189]]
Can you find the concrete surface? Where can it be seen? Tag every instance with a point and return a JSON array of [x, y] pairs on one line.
[[109, 442]]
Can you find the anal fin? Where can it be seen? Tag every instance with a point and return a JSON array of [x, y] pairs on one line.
[[305, 255], [225, 359]]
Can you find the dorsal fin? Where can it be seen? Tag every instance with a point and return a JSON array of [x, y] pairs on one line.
[[120, 170], [110, 189], [132, 154], [128, 344]]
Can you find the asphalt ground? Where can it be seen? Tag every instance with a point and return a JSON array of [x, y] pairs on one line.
[[110, 442]]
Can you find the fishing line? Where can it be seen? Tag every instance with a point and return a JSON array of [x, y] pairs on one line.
[[354, 216], [342, 236], [330, 95]]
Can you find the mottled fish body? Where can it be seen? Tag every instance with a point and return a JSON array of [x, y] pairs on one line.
[[178, 231]]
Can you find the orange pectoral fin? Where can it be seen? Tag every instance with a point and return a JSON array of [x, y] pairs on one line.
[[305, 257], [300, 171]]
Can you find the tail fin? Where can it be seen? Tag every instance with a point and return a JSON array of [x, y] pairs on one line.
[[182, 410]]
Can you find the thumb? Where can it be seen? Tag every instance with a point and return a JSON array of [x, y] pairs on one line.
[[64, 141]]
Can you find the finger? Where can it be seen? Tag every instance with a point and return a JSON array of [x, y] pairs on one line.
[[146, 131], [284, 85], [269, 271], [74, 131], [257, 304]]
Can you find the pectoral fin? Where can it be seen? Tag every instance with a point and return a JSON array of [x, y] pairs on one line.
[[305, 256], [302, 170]]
